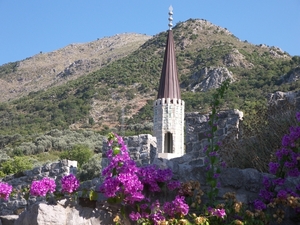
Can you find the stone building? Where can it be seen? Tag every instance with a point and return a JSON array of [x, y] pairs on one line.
[[168, 107]]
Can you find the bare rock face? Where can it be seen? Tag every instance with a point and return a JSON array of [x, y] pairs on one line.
[[277, 52], [275, 98], [236, 59], [294, 75], [289, 101], [210, 78], [78, 67]]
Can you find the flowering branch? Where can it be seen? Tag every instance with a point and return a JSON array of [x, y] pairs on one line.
[[211, 151]]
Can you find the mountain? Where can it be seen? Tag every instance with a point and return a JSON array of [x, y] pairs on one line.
[[46, 70], [119, 93]]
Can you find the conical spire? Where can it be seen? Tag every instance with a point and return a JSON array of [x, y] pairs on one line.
[[169, 85]]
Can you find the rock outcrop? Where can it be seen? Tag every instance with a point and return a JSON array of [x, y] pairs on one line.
[[285, 100], [236, 59], [291, 76], [209, 78]]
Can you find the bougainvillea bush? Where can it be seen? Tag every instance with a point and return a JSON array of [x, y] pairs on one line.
[[276, 194], [44, 187], [129, 186]]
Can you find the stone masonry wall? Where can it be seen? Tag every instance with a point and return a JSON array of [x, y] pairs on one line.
[[197, 128], [142, 149], [23, 180]]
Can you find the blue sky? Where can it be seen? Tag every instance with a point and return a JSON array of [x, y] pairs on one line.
[[31, 26]]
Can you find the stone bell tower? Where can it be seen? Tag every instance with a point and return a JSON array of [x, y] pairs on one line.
[[169, 108]]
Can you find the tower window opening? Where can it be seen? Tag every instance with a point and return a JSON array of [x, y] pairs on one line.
[[168, 143]]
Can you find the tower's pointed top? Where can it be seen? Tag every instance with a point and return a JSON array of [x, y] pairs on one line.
[[170, 17], [169, 85]]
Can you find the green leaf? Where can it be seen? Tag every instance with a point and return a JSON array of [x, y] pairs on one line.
[[112, 200], [116, 150], [213, 159], [26, 196], [214, 128], [123, 211], [93, 195], [111, 136], [115, 200], [114, 172], [213, 183]]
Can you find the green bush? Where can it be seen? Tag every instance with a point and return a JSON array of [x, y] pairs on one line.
[[16, 165], [90, 169], [80, 153], [260, 137], [2, 174]]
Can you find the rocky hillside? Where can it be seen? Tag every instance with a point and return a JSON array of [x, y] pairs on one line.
[[45, 70], [119, 95]]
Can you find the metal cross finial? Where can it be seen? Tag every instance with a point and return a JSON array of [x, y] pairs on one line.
[[170, 17]]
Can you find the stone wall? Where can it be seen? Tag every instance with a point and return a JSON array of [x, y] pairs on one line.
[[197, 128], [22, 181], [142, 149]]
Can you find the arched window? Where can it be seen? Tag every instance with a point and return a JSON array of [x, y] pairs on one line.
[[168, 143]]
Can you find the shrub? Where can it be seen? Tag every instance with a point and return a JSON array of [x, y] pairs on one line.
[[16, 165], [80, 153], [2, 174], [90, 169], [260, 138]]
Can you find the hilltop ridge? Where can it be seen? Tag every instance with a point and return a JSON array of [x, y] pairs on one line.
[[44, 70]]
